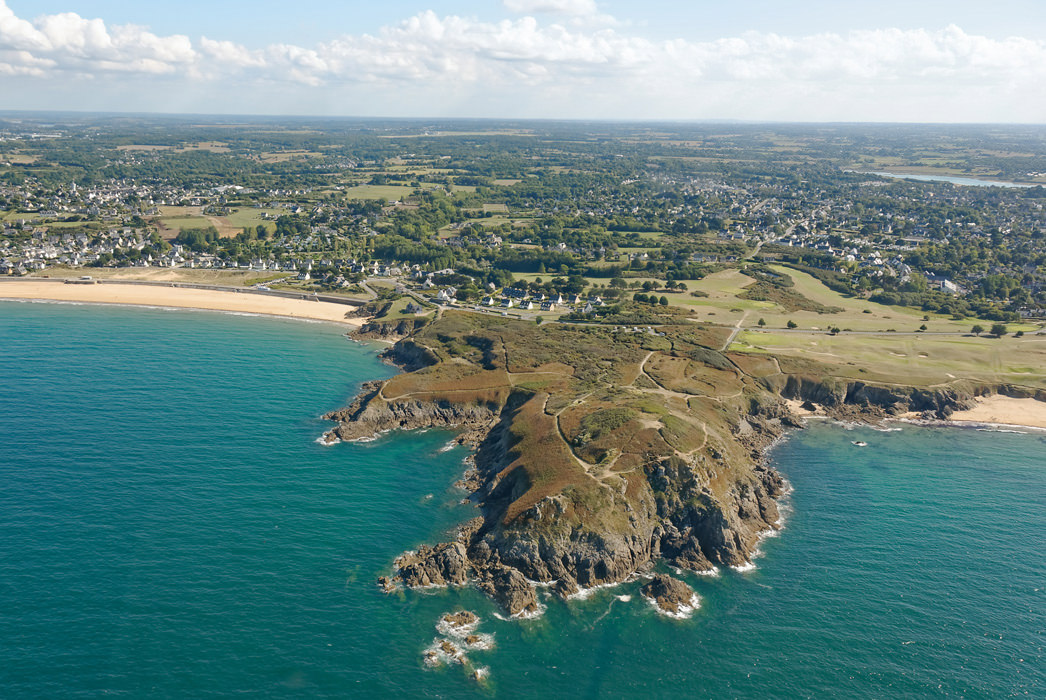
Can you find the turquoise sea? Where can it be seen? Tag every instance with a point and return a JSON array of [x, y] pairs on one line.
[[169, 528]]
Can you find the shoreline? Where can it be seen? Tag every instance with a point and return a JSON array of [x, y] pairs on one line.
[[114, 293], [1003, 411], [995, 411]]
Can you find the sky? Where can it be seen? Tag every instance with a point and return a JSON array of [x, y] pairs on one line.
[[755, 60]]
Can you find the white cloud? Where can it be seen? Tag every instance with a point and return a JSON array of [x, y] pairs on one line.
[[552, 7], [525, 67], [68, 42]]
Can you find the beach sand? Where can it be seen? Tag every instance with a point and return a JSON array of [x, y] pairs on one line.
[[179, 297], [990, 410], [1003, 410]]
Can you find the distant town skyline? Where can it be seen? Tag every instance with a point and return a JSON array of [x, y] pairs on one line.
[[758, 60]]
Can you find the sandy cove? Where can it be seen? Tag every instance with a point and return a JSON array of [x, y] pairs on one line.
[[179, 297], [1003, 410], [990, 410]]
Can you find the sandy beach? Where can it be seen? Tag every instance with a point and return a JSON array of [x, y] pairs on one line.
[[179, 297], [1003, 410], [990, 410]]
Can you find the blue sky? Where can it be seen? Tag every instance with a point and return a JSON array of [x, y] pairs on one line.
[[920, 60], [272, 21]]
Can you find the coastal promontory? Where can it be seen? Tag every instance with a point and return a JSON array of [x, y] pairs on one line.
[[602, 451]]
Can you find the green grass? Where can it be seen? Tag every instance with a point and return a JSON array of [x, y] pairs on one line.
[[249, 216], [389, 192], [181, 223], [9, 216], [910, 359]]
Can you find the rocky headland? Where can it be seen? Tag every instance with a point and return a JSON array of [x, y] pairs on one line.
[[599, 454]]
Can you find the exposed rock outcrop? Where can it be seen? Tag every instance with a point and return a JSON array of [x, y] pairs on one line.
[[369, 415], [856, 399], [442, 565], [460, 619], [670, 595], [510, 589]]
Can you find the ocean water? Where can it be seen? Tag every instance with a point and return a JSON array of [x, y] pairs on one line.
[[169, 528]]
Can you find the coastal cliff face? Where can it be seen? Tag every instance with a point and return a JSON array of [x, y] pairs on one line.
[[598, 455]]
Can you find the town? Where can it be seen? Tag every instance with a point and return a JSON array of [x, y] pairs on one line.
[[554, 221]]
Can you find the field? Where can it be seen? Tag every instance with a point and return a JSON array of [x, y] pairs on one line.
[[921, 360], [722, 305], [389, 192], [284, 156], [174, 219]]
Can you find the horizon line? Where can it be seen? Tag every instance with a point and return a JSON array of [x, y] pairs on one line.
[[572, 120]]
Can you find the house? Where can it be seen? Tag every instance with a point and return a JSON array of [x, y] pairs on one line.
[[507, 304], [489, 301], [944, 284], [526, 305], [548, 306]]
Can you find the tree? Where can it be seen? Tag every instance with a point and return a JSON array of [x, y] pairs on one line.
[[977, 329], [792, 324], [663, 301], [999, 330], [762, 322]]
